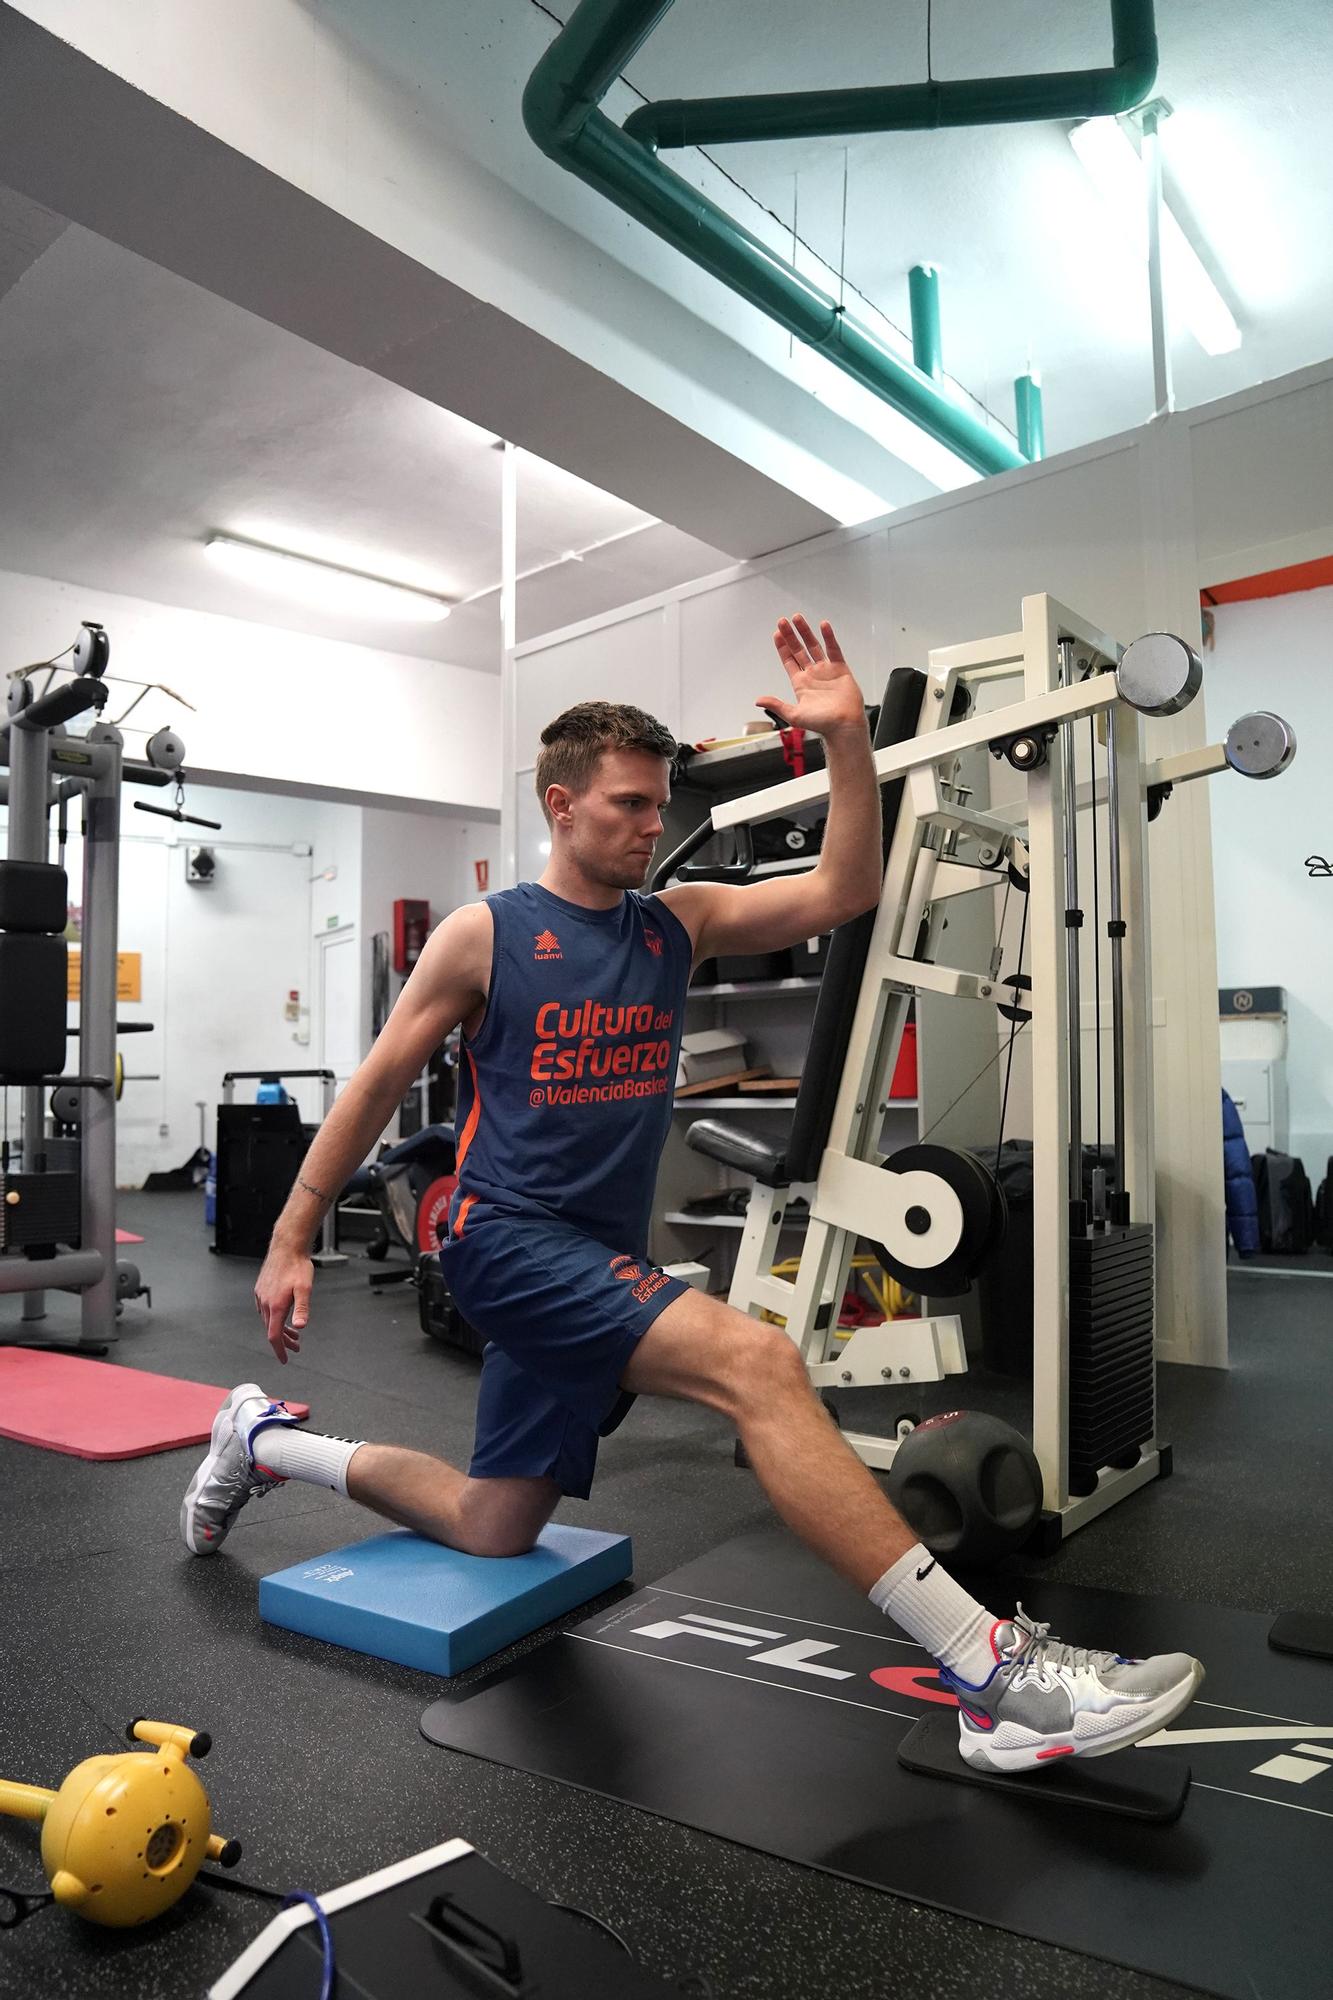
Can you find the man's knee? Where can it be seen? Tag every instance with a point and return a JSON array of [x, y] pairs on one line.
[[503, 1517], [760, 1365]]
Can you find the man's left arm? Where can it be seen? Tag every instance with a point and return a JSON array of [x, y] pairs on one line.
[[768, 915]]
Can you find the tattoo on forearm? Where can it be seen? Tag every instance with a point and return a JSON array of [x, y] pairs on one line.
[[317, 1192]]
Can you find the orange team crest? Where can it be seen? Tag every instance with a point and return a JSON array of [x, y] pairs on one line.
[[653, 940], [547, 945]]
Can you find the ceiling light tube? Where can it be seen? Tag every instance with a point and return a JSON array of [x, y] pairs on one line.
[[325, 585], [1107, 155]]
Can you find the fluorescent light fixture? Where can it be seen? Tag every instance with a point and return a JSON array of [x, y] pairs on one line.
[[1107, 154], [326, 585]]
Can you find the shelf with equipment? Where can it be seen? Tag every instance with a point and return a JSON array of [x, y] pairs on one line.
[[756, 1103]]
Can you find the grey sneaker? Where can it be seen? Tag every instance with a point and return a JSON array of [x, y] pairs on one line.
[[227, 1478], [1045, 1699]]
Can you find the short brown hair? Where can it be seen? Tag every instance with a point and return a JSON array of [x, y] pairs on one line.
[[572, 745]]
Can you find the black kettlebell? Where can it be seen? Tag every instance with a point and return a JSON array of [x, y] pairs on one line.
[[968, 1484]]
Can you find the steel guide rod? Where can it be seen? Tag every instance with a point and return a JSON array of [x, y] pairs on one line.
[[1073, 921], [1115, 930]]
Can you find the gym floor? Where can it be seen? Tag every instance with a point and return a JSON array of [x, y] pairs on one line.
[[318, 1767]]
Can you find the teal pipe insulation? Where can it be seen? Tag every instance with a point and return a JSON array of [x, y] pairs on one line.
[[1031, 429], [923, 292], [918, 107], [562, 116]]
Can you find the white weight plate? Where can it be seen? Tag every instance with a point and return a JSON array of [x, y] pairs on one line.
[[928, 1191]]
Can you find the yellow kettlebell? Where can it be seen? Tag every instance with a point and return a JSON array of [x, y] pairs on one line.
[[125, 1836]]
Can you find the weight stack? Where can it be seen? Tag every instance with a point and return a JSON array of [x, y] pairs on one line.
[[1112, 1384]]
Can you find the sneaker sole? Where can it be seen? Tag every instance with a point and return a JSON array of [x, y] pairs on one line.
[[217, 1438], [1029, 1756]]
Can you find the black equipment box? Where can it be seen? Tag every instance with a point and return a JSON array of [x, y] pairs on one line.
[[1286, 1205], [34, 896], [448, 1925], [1243, 1003], [749, 965], [437, 1311], [39, 1211], [33, 984], [260, 1149]]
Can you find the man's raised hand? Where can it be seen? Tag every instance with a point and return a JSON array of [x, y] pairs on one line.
[[825, 696]]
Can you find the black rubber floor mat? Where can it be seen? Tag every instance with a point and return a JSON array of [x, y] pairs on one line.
[[753, 1695]]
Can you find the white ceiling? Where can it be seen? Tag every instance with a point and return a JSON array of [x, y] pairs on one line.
[[1031, 268], [138, 412]]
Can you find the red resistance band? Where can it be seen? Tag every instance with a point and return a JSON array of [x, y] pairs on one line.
[[793, 749]]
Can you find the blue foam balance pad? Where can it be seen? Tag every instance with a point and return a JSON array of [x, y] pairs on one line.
[[401, 1597]]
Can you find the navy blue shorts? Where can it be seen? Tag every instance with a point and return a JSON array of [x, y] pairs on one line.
[[562, 1315]]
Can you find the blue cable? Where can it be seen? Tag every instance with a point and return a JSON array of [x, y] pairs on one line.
[[326, 1938]]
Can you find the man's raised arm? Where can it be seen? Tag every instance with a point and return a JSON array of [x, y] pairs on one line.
[[765, 916]]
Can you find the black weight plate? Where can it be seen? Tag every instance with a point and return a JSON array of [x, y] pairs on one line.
[[970, 1182]]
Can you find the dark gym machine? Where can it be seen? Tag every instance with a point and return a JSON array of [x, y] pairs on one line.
[[57, 1192]]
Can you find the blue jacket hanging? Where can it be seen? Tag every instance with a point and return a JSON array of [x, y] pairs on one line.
[[1242, 1202]]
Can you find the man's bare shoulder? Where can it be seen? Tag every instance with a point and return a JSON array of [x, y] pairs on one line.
[[690, 904], [465, 941]]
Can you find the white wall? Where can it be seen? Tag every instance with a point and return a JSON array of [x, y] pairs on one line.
[[1274, 921], [219, 962], [1125, 533], [411, 854], [285, 717], [274, 706]]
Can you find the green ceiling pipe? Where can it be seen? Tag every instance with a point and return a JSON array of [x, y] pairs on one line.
[[560, 111], [923, 292], [917, 107], [1027, 405]]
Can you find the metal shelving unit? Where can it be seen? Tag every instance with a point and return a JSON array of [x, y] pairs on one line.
[[753, 989]]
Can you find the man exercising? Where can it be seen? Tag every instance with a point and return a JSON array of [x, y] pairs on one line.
[[570, 992]]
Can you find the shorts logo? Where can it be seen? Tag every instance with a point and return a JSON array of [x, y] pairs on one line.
[[625, 1269], [653, 940], [547, 946]]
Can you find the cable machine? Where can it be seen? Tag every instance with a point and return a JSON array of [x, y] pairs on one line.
[[935, 1213]]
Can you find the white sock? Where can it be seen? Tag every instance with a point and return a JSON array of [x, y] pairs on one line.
[[290, 1451], [938, 1613]]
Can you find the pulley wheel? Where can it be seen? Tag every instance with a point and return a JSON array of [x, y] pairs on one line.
[[165, 751], [951, 1218]]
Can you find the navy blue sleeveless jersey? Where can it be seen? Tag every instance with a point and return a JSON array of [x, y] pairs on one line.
[[566, 1093]]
